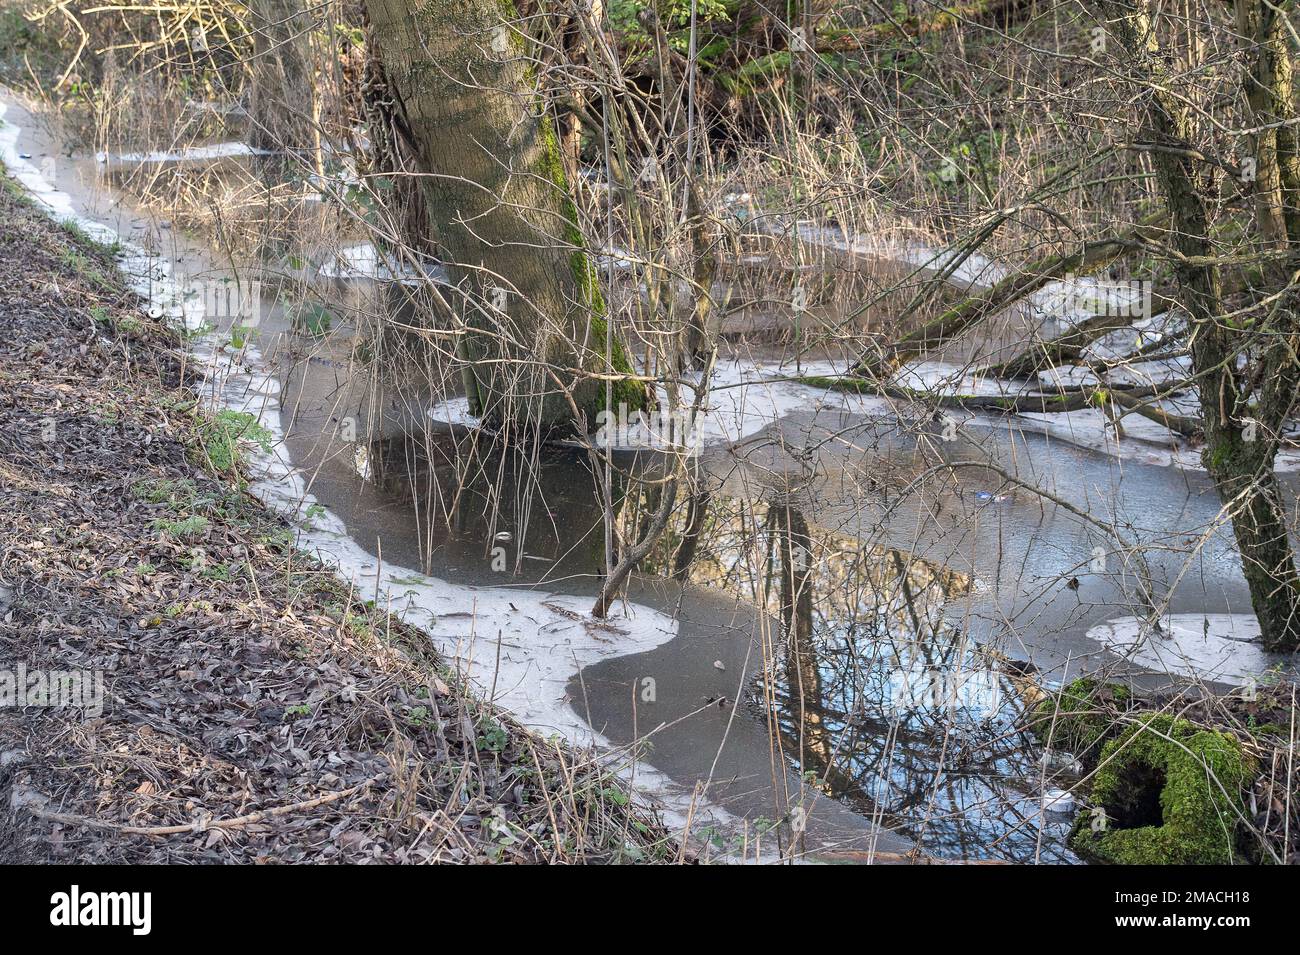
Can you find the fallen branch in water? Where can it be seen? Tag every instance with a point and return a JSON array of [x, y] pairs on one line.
[[1080, 399], [1089, 257], [1065, 349]]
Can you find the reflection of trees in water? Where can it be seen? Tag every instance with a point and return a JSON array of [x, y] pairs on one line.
[[788, 530], [469, 494], [877, 700]]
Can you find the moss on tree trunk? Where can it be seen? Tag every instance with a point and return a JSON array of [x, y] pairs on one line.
[[1241, 436], [538, 350]]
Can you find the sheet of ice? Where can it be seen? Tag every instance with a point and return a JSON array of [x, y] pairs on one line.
[[614, 257], [206, 153], [1063, 303], [29, 175], [744, 398], [213, 106], [363, 261], [355, 261], [1066, 376], [975, 269], [454, 411], [148, 274], [1058, 305], [1146, 441], [1161, 372], [1220, 647], [948, 379]]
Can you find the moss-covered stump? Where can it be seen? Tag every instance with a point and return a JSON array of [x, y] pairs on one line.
[[1171, 793], [1082, 717]]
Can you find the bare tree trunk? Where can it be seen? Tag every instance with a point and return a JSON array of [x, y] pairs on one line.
[[393, 157], [1241, 438], [695, 517], [804, 685], [538, 349], [1267, 555]]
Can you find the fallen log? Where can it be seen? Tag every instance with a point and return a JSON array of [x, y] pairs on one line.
[[1086, 396], [1066, 348], [1088, 258], [1179, 424]]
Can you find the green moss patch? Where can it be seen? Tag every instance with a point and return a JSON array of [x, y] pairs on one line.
[[1081, 717], [1171, 794]]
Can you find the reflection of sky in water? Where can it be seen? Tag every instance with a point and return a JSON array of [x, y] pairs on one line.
[[879, 719], [921, 732]]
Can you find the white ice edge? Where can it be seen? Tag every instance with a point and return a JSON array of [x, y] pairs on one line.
[[186, 154], [540, 648], [1215, 646], [748, 397], [361, 261]]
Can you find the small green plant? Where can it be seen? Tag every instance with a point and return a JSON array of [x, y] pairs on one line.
[[194, 334], [503, 833], [181, 493], [74, 229], [223, 572], [615, 795], [311, 319], [239, 336], [281, 541], [358, 624], [492, 737], [312, 512], [223, 434], [297, 711]]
